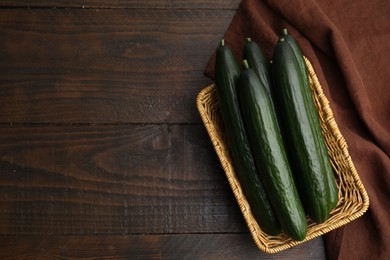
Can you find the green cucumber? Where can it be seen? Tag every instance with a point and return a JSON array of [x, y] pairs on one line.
[[328, 170], [269, 154], [227, 72], [257, 61], [261, 66], [300, 130]]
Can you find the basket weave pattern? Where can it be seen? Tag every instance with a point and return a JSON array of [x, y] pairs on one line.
[[353, 199]]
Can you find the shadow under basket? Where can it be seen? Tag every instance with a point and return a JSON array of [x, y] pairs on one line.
[[353, 200]]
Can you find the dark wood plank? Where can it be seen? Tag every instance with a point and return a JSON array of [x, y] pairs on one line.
[[122, 179], [192, 246], [105, 66], [168, 4]]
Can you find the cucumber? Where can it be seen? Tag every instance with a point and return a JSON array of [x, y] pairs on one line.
[[299, 131], [227, 72], [257, 61], [328, 170], [269, 154], [261, 66]]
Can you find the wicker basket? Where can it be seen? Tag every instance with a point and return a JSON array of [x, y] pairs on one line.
[[353, 199]]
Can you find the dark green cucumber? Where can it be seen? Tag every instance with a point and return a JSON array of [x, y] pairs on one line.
[[227, 72], [328, 170], [269, 154], [257, 61], [299, 131], [261, 66]]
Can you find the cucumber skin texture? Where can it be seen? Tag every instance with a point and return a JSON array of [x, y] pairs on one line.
[[321, 146], [257, 61], [269, 154], [227, 72], [298, 131], [260, 65]]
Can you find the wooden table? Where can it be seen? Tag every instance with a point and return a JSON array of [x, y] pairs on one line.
[[103, 153]]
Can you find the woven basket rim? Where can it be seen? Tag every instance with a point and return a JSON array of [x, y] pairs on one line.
[[260, 238]]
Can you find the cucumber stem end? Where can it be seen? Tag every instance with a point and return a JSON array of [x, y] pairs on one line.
[[245, 64]]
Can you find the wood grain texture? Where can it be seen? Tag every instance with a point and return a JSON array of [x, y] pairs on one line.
[[167, 4], [102, 151], [105, 66], [191, 246], [113, 180]]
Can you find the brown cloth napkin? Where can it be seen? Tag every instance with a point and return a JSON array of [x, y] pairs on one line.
[[348, 43]]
